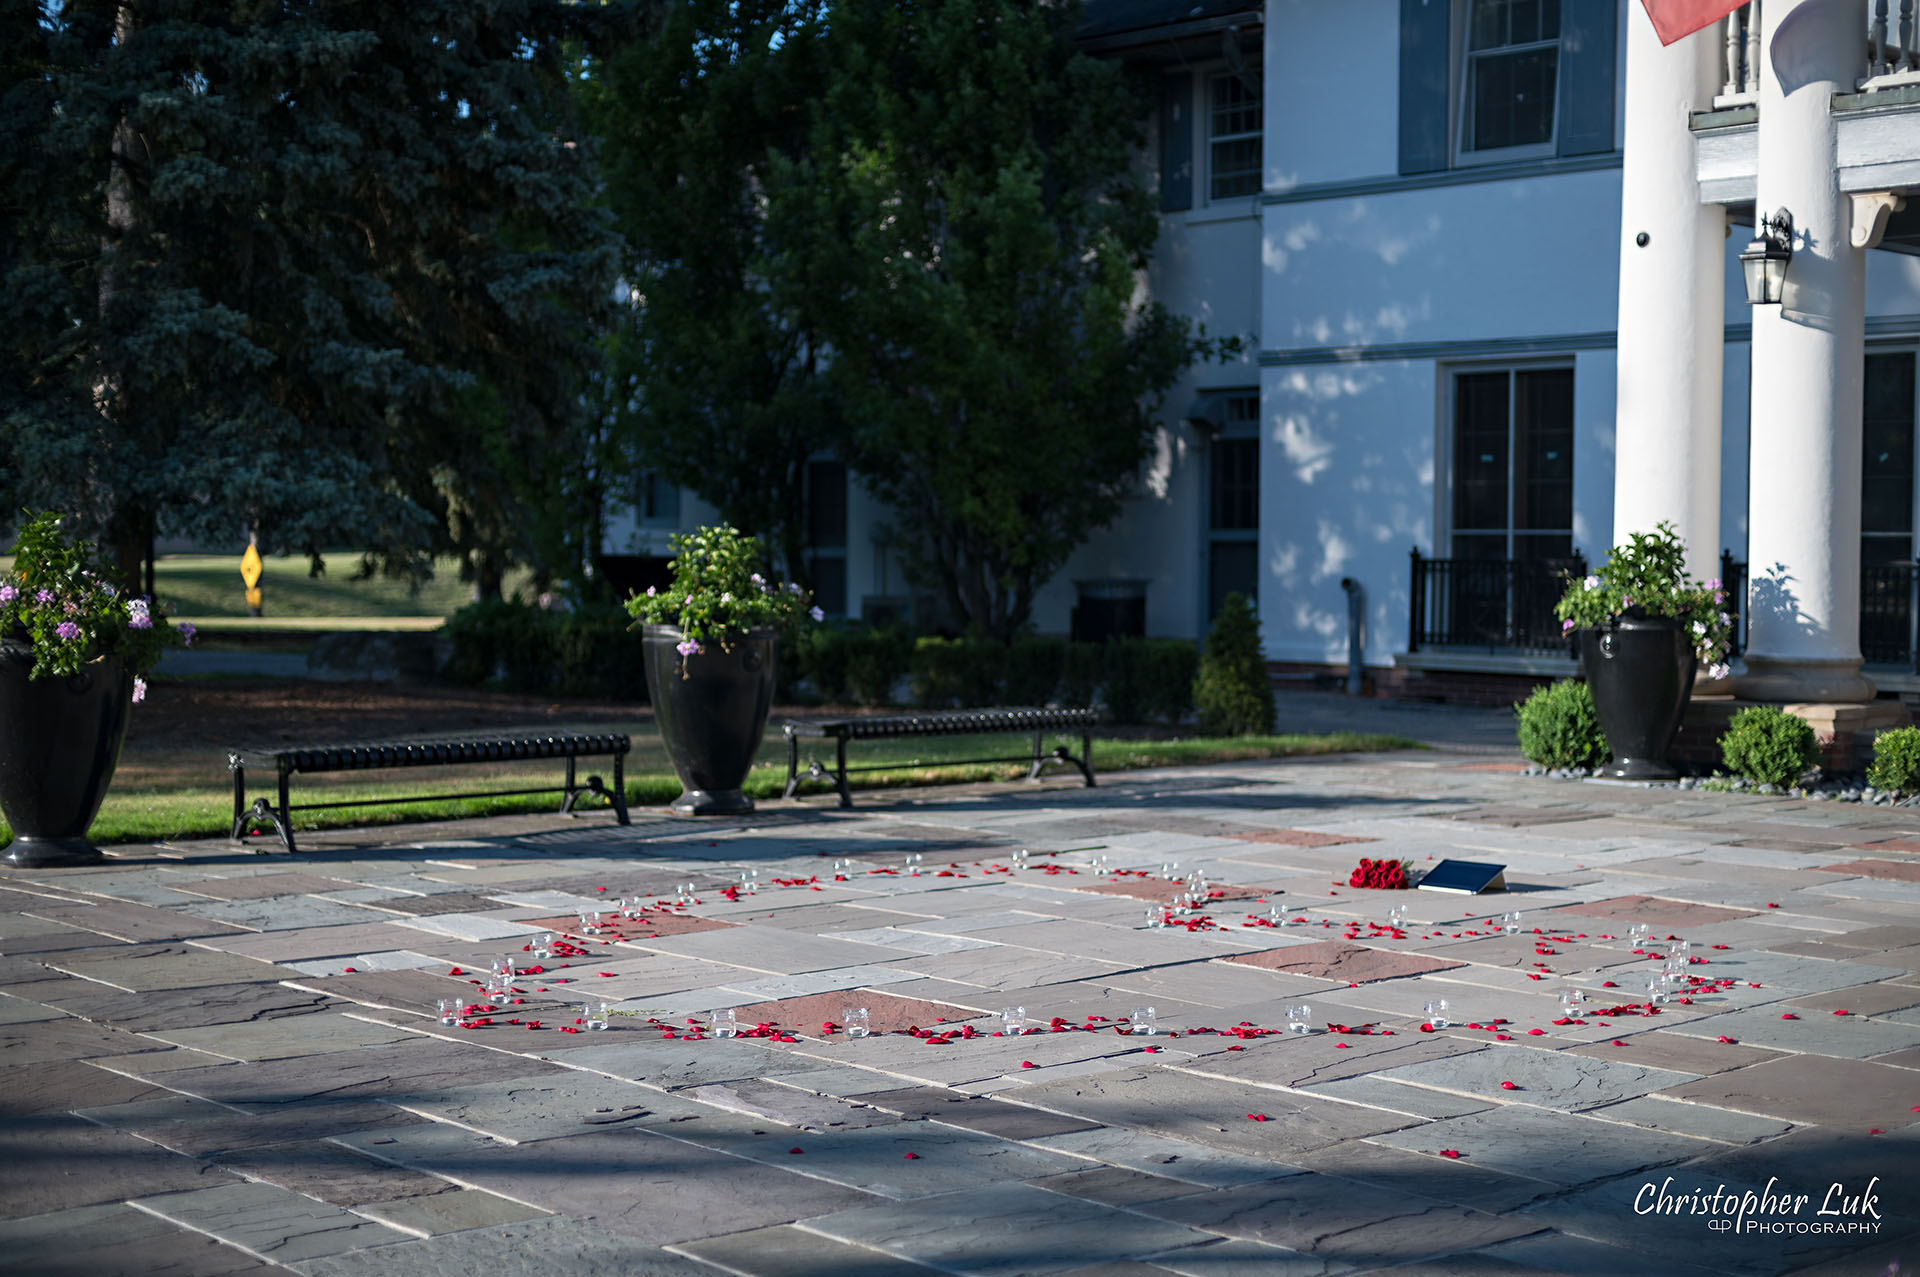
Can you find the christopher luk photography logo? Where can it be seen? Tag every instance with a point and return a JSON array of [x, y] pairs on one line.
[[1771, 1211]]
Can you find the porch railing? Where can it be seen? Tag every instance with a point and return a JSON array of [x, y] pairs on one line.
[[1501, 605], [1506, 606], [1891, 50]]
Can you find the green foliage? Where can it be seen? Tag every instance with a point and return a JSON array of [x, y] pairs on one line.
[[876, 660], [252, 259], [1149, 680], [1896, 761], [598, 652], [1769, 746], [56, 597], [1081, 672], [1560, 728], [1648, 577], [1233, 691], [1033, 668], [504, 642], [717, 592], [964, 671], [713, 372], [985, 225]]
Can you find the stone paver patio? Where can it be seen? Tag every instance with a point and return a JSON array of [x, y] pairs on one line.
[[222, 1062]]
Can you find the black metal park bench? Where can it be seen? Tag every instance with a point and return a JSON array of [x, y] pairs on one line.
[[422, 753], [958, 722]]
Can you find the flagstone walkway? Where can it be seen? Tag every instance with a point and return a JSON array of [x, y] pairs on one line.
[[223, 1062]]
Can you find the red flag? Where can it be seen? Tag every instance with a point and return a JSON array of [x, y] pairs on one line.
[[1674, 19]]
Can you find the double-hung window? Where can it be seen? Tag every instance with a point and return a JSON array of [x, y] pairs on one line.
[[1513, 463], [1234, 114], [1511, 74]]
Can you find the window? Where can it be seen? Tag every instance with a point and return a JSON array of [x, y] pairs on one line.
[[1233, 505], [1886, 461], [1505, 80], [1233, 136], [1513, 464], [657, 501], [1510, 74]]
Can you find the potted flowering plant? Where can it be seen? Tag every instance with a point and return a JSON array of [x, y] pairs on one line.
[[73, 654], [711, 639], [1644, 627]]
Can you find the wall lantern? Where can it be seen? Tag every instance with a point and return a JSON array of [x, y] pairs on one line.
[[1764, 261]]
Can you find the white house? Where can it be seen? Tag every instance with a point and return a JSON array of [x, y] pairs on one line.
[[1486, 257]]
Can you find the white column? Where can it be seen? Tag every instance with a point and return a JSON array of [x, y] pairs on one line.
[[1803, 551], [1672, 302]]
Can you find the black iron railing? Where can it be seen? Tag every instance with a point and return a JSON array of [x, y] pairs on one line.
[[1501, 605], [1888, 613]]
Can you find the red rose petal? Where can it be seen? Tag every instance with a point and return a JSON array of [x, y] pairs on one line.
[[1242, 1048], [1028, 1064], [1875, 1131], [911, 1157], [1257, 1117], [1508, 1086], [1451, 1152], [1789, 1016], [1729, 1041], [1843, 1011], [796, 1150], [1340, 1046], [1534, 1033]]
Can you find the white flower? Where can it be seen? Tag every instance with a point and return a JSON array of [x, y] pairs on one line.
[[725, 597], [1720, 670], [757, 579], [651, 591], [1593, 583], [139, 689], [816, 614]]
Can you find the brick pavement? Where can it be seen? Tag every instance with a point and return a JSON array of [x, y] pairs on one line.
[[217, 1061]]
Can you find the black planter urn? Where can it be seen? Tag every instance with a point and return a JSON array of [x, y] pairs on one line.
[[711, 710], [60, 740], [1641, 671]]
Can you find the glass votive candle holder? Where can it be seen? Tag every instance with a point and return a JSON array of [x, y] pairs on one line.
[[723, 1023], [593, 1014], [1197, 883], [749, 880], [1019, 858], [1013, 1020], [499, 989], [503, 966], [450, 1010], [1397, 916], [1571, 1001], [590, 922], [914, 860], [542, 945], [1100, 864], [1436, 1012], [1141, 1021], [855, 1021], [1156, 916], [1659, 988], [1638, 933], [1170, 870], [686, 895], [1510, 923], [1300, 1019]]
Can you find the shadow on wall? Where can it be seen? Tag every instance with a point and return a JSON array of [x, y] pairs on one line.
[[1775, 608]]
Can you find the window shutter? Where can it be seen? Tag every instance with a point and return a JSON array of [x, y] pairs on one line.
[[1426, 27], [1176, 142], [1587, 30]]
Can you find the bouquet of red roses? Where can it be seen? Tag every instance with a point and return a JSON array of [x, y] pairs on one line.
[[1386, 875]]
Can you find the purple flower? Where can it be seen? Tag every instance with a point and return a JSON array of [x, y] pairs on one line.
[[1565, 626], [687, 647], [8, 594], [139, 689], [816, 614], [138, 618], [44, 596], [187, 632], [67, 630]]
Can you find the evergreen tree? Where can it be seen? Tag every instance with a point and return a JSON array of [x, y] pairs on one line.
[[256, 254], [1233, 693]]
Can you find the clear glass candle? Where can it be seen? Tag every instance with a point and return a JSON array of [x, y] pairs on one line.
[[594, 1014], [855, 1020], [1013, 1020], [450, 1010], [1436, 1011], [1300, 1019], [723, 1023], [1141, 1020]]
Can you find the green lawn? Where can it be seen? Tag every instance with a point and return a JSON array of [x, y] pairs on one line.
[[202, 807], [207, 585]]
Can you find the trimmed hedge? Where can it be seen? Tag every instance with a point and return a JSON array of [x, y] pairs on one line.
[[594, 652]]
